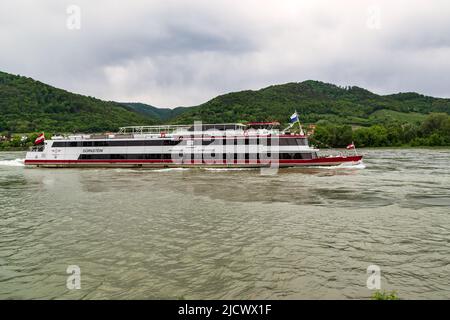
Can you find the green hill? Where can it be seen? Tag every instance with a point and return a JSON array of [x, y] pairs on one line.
[[314, 101], [162, 114], [27, 105], [342, 114]]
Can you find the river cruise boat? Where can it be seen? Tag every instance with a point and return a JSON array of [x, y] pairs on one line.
[[257, 144]]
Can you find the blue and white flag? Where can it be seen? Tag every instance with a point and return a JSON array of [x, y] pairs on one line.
[[294, 117]]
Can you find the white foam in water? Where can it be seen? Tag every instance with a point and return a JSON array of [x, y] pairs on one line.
[[360, 165], [149, 169], [13, 163], [170, 169], [230, 169]]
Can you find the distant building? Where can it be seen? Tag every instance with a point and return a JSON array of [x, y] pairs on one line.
[[311, 129]]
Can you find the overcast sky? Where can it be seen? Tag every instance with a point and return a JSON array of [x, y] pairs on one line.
[[171, 53]]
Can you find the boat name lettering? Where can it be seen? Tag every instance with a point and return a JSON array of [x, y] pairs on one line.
[[92, 150]]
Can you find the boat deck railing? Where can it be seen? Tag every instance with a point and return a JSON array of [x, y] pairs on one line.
[[153, 129], [171, 129], [134, 132]]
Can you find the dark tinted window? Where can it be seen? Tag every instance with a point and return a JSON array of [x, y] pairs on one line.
[[59, 144], [189, 156], [116, 143], [136, 143], [170, 142], [74, 144], [296, 156], [287, 142], [99, 143]]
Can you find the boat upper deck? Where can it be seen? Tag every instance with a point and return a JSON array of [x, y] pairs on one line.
[[177, 131]]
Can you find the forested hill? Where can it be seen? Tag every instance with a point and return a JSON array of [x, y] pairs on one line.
[[315, 101], [162, 114], [27, 105]]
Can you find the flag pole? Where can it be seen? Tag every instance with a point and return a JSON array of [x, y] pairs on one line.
[[299, 124], [354, 148]]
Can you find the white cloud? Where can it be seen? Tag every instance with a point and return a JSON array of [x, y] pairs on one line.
[[170, 53]]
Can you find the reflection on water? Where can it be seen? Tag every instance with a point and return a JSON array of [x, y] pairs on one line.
[[195, 233]]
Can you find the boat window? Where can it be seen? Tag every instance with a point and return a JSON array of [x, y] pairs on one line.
[[74, 144], [207, 142], [153, 142], [296, 156], [170, 142], [58, 144], [192, 156], [118, 156], [287, 142], [117, 143], [136, 156], [136, 143]]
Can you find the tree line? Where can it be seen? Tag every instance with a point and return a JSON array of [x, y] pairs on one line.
[[433, 131]]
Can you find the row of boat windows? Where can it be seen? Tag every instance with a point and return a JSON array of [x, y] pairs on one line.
[[129, 143], [166, 142], [192, 156]]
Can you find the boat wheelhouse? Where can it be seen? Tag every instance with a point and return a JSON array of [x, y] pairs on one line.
[[256, 144]]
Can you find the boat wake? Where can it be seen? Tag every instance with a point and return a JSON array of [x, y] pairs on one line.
[[360, 165], [169, 169], [230, 169], [13, 163]]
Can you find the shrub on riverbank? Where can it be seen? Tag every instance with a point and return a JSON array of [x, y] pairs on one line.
[[383, 295]]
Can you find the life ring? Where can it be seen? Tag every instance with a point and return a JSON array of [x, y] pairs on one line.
[[162, 134]]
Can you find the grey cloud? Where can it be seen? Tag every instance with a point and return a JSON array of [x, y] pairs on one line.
[[171, 53]]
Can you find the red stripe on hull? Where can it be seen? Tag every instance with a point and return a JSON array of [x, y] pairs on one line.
[[293, 162]]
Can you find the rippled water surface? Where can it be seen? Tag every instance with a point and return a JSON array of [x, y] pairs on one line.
[[237, 234]]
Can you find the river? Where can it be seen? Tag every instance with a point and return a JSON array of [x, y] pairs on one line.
[[228, 234]]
